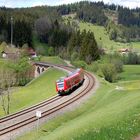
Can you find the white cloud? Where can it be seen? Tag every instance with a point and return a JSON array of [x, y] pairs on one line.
[[29, 3], [38, 3]]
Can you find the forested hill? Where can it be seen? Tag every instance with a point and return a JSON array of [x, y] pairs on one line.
[[46, 23]]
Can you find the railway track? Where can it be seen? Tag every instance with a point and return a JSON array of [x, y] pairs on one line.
[[20, 123]]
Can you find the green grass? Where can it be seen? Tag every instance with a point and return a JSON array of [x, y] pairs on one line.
[[4, 66], [130, 72], [53, 60], [40, 89], [109, 114], [3, 63]]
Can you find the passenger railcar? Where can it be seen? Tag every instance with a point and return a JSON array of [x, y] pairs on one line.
[[66, 84]]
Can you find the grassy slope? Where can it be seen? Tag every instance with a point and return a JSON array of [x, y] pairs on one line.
[[40, 89], [110, 114], [103, 38]]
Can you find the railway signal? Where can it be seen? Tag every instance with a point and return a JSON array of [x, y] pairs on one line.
[[38, 115]]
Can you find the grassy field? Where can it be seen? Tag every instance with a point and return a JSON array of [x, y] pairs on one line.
[[130, 72], [110, 114], [103, 38], [40, 89]]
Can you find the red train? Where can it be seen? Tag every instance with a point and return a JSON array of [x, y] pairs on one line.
[[66, 84]]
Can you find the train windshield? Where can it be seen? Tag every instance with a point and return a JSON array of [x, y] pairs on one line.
[[60, 83]]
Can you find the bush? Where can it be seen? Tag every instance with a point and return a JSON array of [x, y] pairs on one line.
[[114, 59], [24, 81], [118, 65], [51, 51], [94, 67], [109, 72], [80, 64]]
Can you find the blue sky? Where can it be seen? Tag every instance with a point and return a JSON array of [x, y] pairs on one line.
[[30, 3]]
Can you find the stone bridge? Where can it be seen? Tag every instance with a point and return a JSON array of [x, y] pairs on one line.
[[40, 68]]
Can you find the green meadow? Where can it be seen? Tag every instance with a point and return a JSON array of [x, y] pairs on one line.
[[130, 72]]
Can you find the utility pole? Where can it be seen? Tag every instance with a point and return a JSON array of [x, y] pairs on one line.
[[11, 31]]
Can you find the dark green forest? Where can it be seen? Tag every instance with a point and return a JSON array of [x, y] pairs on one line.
[[45, 23]]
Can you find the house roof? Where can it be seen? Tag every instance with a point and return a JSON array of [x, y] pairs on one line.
[[31, 51]]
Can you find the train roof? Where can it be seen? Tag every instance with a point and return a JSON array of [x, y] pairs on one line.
[[69, 75], [74, 72]]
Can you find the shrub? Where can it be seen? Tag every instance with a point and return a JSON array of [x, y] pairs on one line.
[[80, 64], [24, 81], [118, 65], [94, 66], [109, 72], [51, 51]]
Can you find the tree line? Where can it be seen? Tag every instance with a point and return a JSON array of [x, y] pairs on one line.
[[23, 23], [83, 46], [128, 17], [22, 31]]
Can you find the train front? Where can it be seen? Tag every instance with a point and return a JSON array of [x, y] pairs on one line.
[[60, 85]]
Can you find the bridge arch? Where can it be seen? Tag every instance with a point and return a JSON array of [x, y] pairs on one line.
[[39, 69]]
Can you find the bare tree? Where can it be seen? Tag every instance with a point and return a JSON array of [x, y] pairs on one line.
[[6, 82]]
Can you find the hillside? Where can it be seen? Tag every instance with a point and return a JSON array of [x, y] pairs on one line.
[[102, 36], [103, 40], [111, 114]]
